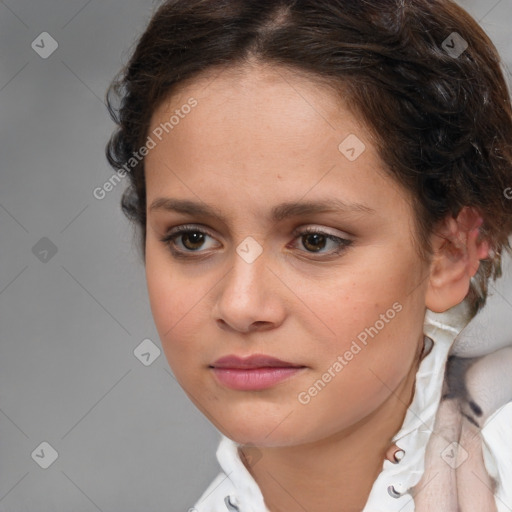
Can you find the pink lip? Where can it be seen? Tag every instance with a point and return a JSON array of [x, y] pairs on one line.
[[252, 361], [257, 371]]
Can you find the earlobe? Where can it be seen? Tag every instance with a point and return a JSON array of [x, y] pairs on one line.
[[457, 254]]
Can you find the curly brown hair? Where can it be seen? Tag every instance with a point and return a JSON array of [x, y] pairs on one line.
[[442, 121]]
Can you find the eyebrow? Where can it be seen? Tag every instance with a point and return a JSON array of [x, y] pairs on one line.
[[278, 213]]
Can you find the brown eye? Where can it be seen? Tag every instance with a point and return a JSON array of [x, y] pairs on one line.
[[185, 239], [315, 240], [192, 240]]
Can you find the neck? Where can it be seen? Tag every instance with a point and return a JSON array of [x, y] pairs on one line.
[[334, 474]]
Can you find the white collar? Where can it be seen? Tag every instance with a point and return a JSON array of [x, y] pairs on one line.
[[390, 489]]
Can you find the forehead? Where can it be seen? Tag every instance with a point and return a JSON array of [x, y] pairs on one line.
[[285, 102], [263, 136]]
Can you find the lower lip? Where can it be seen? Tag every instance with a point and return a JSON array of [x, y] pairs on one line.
[[253, 379]]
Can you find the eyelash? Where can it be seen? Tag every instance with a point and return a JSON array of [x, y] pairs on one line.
[[169, 240]]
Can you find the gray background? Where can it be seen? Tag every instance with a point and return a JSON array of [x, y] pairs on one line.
[[127, 437]]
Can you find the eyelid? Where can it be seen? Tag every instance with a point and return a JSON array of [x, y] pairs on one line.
[[296, 232], [185, 227], [313, 228]]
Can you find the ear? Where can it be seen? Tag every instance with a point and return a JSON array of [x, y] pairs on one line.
[[457, 255]]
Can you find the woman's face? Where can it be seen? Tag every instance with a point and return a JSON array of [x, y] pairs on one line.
[[348, 310]]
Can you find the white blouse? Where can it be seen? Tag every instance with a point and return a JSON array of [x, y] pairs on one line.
[[235, 490]]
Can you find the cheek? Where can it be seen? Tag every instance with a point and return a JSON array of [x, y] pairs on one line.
[[159, 286], [181, 309], [366, 372], [171, 302], [377, 295], [375, 320]]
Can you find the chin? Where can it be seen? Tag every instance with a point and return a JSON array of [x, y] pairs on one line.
[[263, 432]]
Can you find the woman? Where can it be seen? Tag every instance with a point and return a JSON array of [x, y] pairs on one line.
[[320, 191]]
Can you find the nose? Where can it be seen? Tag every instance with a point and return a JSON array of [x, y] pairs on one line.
[[250, 296]]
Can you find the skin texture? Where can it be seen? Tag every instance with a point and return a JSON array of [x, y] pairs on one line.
[[257, 139]]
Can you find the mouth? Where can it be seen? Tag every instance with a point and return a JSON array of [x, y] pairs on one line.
[[253, 361], [253, 373]]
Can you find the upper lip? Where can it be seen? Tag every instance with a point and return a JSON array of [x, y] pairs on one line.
[[252, 361]]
